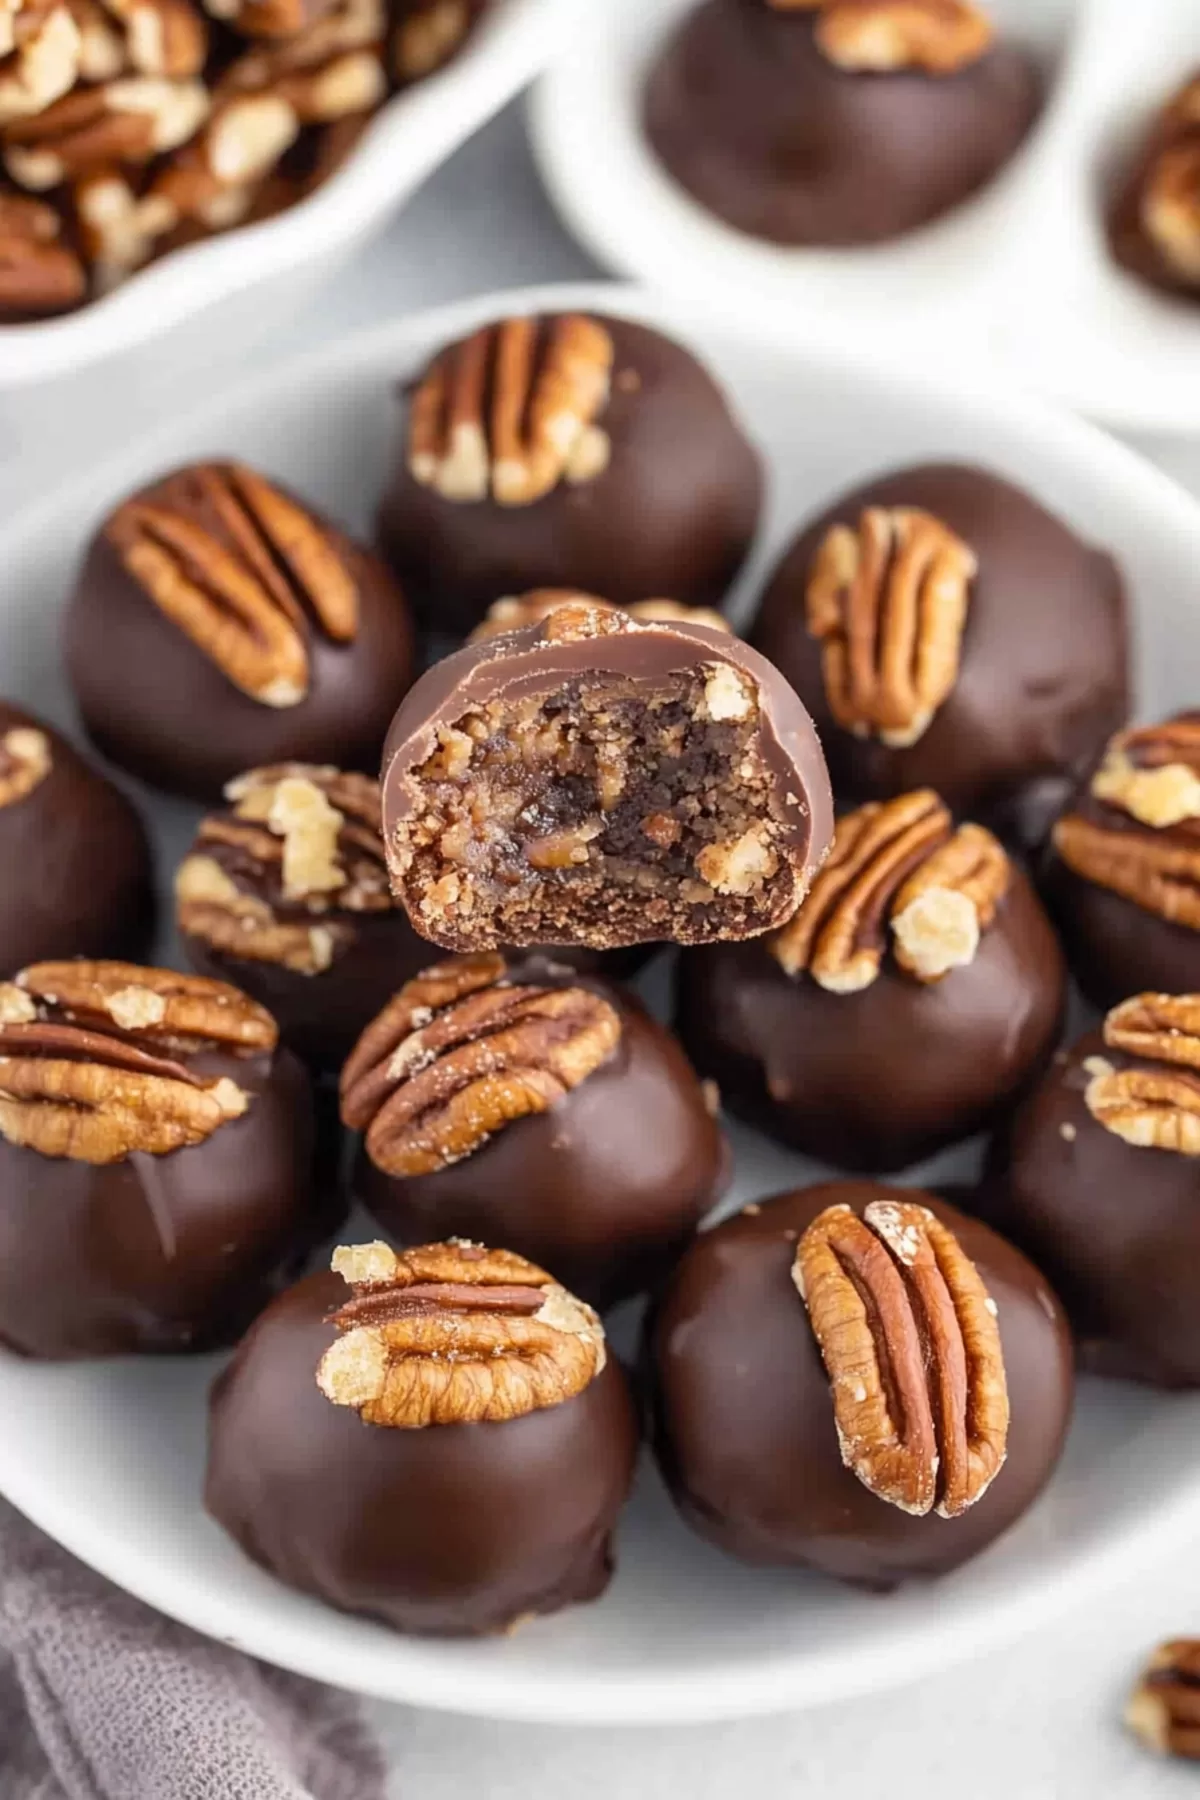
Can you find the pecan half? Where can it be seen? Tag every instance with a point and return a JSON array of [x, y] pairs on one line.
[[39, 57], [165, 37], [153, 1008], [126, 121], [461, 1052], [454, 1334], [1167, 186], [1163, 1711], [240, 568], [888, 602], [1153, 1104], [1152, 773], [103, 46], [511, 411], [514, 612], [897, 862], [938, 36], [25, 761], [909, 1339], [428, 36]]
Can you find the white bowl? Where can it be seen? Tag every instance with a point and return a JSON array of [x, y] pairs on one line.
[[1020, 277], [236, 283], [108, 1457]]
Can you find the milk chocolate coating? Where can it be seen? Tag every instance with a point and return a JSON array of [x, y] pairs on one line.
[[76, 863], [754, 121], [1131, 244], [603, 1190], [876, 1080], [451, 1530], [744, 1425], [1043, 678], [1115, 1226], [162, 1253], [158, 706], [673, 513]]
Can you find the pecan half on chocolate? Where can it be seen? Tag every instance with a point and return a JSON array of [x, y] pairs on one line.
[[25, 762], [514, 612], [909, 1339], [1163, 1711], [454, 1334], [881, 36], [461, 1052], [1152, 1102]]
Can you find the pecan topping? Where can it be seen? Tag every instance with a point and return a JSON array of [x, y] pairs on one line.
[[897, 862], [241, 569], [1164, 1709], [516, 611], [511, 411], [1168, 186], [39, 56], [461, 1052], [91, 1058], [938, 36], [298, 844], [888, 602], [1153, 773], [909, 1339], [1153, 1104], [454, 1334], [25, 762]]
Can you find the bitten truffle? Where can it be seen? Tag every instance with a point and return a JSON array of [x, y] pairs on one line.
[[849, 122], [527, 1097], [945, 631], [75, 860], [443, 1444], [155, 1161], [593, 780], [857, 1379], [566, 451], [218, 625], [1101, 1185], [1154, 227], [914, 994]]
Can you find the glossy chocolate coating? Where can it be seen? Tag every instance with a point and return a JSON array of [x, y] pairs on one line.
[[1115, 1226], [162, 1253], [1043, 679], [744, 1420], [158, 705], [763, 130], [603, 1190], [876, 1080], [673, 513], [449, 1530], [76, 862]]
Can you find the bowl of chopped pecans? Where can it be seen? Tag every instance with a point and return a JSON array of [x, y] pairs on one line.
[[162, 158]]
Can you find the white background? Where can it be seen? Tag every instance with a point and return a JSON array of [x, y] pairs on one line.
[[1036, 1722]]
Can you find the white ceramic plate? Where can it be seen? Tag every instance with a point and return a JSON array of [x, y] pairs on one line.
[[108, 1457], [1019, 278]]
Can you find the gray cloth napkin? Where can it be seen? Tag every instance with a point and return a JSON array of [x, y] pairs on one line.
[[103, 1699]]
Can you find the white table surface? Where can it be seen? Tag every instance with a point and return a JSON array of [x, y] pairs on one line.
[[1035, 1722]]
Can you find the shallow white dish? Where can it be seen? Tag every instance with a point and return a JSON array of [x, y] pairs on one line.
[[1019, 278], [108, 1457], [237, 282]]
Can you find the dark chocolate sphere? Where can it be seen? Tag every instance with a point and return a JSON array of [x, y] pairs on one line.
[[450, 1529], [670, 509], [763, 129], [1152, 223], [218, 625], [75, 859], [602, 1182], [153, 1250], [1042, 675], [878, 1077], [744, 1416]]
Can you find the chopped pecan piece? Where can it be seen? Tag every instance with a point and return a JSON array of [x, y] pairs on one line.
[[25, 762], [39, 57], [1163, 1711], [1152, 773], [909, 1339], [119, 228], [512, 411], [103, 45], [165, 37], [516, 611], [40, 274], [126, 121], [453, 1334], [897, 862], [428, 35], [462, 1051], [1153, 1103], [938, 36]]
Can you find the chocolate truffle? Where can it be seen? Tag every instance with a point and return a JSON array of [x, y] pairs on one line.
[[944, 631], [845, 123], [77, 875], [596, 781], [917, 989], [155, 1161], [567, 451], [1123, 873], [445, 1445], [218, 625], [857, 1379], [1102, 1188], [526, 1097], [1154, 227]]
